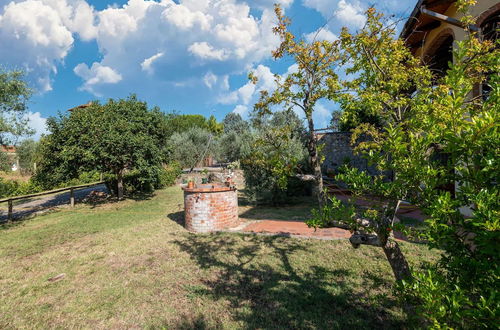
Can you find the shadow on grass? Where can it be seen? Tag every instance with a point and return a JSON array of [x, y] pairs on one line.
[[297, 209], [177, 217], [279, 291]]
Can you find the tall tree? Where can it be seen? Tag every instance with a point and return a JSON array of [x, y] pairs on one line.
[[275, 156], [26, 153], [14, 96], [213, 126], [384, 80], [117, 137], [233, 122], [315, 79], [386, 83], [459, 291], [191, 146], [234, 143]]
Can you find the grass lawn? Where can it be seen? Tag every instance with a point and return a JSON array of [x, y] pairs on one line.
[[131, 265]]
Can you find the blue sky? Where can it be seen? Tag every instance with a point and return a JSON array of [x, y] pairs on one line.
[[192, 56]]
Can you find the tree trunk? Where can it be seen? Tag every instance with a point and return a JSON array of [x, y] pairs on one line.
[[119, 184], [397, 260], [315, 162]]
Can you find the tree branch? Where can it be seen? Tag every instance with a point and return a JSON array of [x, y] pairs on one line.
[[366, 239]]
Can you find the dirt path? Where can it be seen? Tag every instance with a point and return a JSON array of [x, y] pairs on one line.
[[44, 203]]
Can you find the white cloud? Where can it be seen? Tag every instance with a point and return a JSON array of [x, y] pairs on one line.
[[206, 51], [184, 18], [241, 110], [36, 31], [195, 37], [325, 7], [38, 124], [321, 34], [81, 19], [350, 14], [146, 64], [225, 37], [96, 75], [249, 91], [246, 91], [43, 32], [210, 79]]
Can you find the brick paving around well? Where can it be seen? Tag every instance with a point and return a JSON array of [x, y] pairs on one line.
[[290, 228], [297, 228]]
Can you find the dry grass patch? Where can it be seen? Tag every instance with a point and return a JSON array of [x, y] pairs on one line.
[[129, 265]]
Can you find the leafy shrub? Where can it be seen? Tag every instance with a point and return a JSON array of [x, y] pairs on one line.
[[83, 178], [11, 188], [448, 305], [233, 145], [235, 141], [26, 152], [276, 155], [168, 174], [5, 162]]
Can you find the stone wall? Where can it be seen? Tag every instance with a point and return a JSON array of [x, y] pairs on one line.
[[337, 151]]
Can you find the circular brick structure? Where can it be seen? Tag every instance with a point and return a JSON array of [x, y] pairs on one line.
[[210, 207]]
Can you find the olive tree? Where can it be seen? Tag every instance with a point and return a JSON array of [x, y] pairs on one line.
[[192, 146], [276, 155], [14, 96]]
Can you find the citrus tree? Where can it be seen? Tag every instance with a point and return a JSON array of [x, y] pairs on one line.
[[116, 138]]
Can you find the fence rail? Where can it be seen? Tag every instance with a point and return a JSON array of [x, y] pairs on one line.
[[71, 189]]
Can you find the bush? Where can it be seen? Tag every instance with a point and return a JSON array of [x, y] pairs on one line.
[[83, 178], [168, 174], [276, 155], [26, 152], [5, 162], [145, 180], [11, 188]]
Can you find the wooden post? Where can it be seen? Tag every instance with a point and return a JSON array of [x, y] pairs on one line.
[[72, 197], [9, 215]]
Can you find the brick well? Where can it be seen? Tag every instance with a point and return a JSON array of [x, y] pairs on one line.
[[210, 207]]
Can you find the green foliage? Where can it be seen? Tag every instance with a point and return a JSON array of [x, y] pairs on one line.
[[314, 79], [235, 141], [10, 188], [449, 305], [5, 162], [354, 115], [14, 96], [434, 137], [168, 174], [121, 137], [276, 155], [189, 147], [26, 152], [213, 126], [382, 76], [234, 123], [333, 211], [179, 123], [84, 177]]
